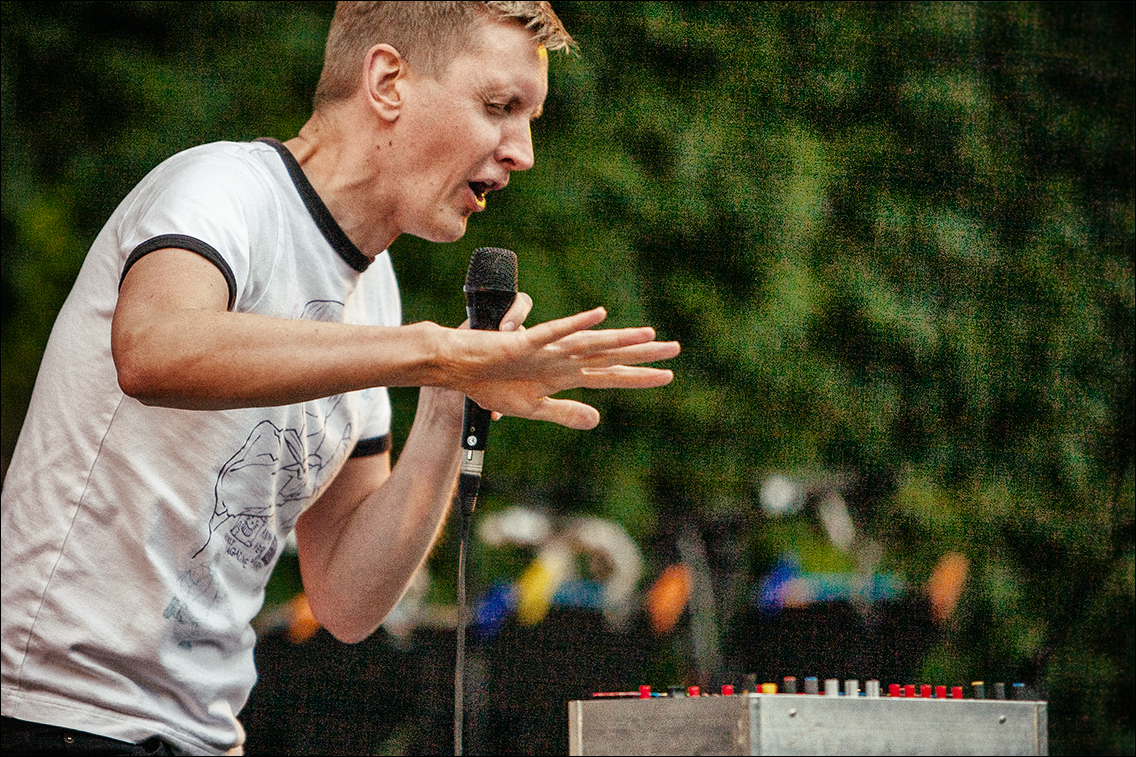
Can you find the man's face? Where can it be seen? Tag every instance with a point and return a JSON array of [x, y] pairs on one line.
[[467, 131]]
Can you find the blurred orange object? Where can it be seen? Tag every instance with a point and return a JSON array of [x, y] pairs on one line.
[[302, 624], [946, 583], [667, 598]]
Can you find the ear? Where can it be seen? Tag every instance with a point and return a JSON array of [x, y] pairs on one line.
[[385, 76]]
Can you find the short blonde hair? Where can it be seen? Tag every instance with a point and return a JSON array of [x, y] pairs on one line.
[[427, 34]]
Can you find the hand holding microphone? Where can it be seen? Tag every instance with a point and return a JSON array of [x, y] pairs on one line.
[[532, 365]]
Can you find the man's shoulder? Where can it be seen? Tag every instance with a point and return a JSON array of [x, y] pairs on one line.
[[225, 174], [226, 150], [222, 158]]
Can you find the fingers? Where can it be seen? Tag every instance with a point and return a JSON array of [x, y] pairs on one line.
[[584, 342], [515, 317], [563, 354], [633, 355], [568, 413], [624, 377], [553, 331], [628, 346], [610, 348]]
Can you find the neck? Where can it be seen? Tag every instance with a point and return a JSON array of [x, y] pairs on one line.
[[342, 164]]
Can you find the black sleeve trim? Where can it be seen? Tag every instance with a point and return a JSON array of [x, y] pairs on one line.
[[183, 242], [376, 445]]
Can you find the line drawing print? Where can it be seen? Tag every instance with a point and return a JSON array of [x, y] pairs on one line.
[[197, 594], [265, 485], [261, 491]]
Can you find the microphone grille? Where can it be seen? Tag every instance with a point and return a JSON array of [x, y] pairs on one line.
[[492, 268]]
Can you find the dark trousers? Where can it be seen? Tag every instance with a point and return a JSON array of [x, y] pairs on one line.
[[22, 737]]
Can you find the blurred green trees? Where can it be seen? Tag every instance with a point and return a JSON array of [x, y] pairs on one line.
[[896, 242]]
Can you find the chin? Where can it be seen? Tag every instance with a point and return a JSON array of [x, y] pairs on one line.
[[450, 233]]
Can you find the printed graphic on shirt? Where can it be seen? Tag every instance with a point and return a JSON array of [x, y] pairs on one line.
[[261, 491], [265, 485], [197, 596]]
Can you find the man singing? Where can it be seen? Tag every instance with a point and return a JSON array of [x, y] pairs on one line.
[[216, 379]]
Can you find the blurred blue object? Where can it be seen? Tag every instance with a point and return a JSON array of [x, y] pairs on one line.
[[786, 585], [770, 593], [493, 607], [581, 593]]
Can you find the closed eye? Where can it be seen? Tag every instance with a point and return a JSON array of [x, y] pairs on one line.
[[510, 107]]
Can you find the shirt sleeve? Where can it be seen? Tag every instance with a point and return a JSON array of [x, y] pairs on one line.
[[211, 202]]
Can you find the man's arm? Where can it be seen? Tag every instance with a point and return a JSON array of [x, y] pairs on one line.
[[176, 345], [362, 541]]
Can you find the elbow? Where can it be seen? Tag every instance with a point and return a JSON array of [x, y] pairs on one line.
[[345, 627], [132, 377], [345, 636], [136, 378], [147, 375], [346, 632], [133, 385]]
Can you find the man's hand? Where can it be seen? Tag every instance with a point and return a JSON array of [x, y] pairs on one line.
[[529, 365]]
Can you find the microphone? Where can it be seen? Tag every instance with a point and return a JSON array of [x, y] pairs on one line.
[[490, 288]]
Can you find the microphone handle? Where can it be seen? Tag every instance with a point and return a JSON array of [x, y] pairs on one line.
[[485, 308]]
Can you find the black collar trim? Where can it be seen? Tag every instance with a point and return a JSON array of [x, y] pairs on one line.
[[328, 226]]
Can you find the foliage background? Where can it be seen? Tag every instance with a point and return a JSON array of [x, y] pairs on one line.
[[896, 242]]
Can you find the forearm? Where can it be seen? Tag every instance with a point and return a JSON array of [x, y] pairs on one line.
[[355, 569], [208, 360], [175, 344]]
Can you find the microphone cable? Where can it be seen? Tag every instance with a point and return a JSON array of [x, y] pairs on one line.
[[459, 660]]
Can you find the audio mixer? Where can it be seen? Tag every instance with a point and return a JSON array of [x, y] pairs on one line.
[[834, 720]]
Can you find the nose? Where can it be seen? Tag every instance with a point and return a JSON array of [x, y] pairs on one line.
[[516, 149]]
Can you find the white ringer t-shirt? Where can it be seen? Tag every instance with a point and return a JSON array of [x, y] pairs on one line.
[[137, 540]]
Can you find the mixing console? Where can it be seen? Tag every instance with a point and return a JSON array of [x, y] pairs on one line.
[[840, 718]]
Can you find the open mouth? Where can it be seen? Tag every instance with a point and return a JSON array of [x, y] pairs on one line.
[[479, 188]]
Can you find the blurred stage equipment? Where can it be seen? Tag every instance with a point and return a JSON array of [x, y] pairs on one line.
[[841, 720], [612, 557]]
